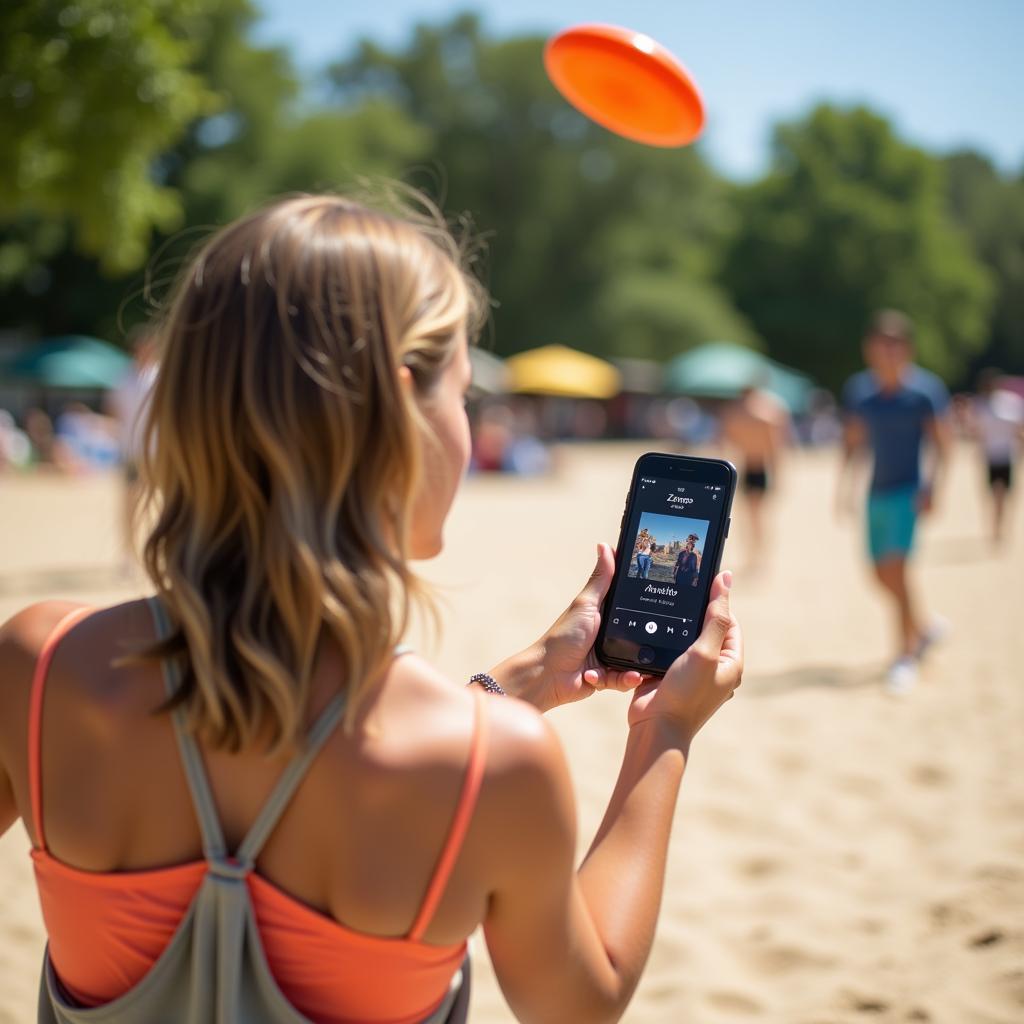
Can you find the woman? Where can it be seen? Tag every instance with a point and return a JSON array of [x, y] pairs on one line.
[[687, 567], [644, 553], [306, 438]]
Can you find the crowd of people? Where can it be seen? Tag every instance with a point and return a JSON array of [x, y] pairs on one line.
[[513, 435], [893, 414]]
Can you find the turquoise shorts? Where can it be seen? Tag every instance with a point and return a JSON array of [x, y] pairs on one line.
[[892, 516]]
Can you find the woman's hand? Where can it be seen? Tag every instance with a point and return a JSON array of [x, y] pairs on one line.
[[700, 681], [560, 667]]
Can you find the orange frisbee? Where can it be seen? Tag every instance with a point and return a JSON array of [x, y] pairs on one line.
[[627, 83]]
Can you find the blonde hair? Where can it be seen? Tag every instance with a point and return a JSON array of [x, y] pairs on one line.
[[283, 455]]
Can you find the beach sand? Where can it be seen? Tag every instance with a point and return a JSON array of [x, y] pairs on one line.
[[839, 855]]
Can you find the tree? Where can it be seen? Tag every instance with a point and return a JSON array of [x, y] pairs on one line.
[[91, 92], [253, 142], [593, 241], [989, 209], [849, 220]]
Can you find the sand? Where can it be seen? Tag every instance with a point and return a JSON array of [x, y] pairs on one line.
[[839, 855]]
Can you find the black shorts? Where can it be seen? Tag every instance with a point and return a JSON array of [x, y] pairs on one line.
[[1000, 473], [755, 480]]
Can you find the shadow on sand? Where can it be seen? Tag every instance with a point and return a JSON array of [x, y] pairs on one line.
[[64, 580], [828, 677]]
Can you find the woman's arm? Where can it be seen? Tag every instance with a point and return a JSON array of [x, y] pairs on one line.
[[13, 708], [572, 947], [21, 639], [8, 806]]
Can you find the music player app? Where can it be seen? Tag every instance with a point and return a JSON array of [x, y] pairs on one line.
[[670, 542]]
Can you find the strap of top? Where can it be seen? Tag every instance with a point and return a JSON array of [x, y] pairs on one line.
[[460, 822], [266, 820], [214, 847], [35, 718], [259, 832]]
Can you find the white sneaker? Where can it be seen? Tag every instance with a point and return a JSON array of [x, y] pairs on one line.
[[901, 677], [936, 632]]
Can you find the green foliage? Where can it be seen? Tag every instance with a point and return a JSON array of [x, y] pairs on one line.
[[851, 220], [990, 211], [126, 121], [91, 92], [594, 242], [251, 142]]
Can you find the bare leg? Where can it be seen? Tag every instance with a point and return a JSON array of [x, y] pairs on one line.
[[754, 502], [998, 510], [892, 574]]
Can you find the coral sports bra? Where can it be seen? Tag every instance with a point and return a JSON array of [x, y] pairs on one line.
[[328, 972]]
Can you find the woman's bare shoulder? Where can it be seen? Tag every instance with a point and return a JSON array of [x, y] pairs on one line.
[[526, 808], [22, 638], [518, 738], [23, 635]]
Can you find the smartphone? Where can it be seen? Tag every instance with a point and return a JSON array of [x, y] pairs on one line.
[[673, 530]]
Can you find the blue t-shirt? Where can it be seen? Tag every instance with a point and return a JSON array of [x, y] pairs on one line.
[[896, 422]]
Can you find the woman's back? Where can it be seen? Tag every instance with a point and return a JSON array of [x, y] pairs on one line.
[[115, 799]]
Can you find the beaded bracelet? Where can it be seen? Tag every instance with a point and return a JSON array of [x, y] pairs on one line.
[[489, 683]]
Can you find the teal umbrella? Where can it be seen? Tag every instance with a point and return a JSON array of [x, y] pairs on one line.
[[722, 370], [73, 361]]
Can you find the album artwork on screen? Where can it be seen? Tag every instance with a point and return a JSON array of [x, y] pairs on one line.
[[669, 549]]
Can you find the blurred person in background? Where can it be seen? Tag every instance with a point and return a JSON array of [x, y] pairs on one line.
[[996, 420], [39, 428], [348, 815], [492, 438], [891, 410], [15, 447], [822, 424], [757, 426], [127, 405], [504, 441], [84, 440]]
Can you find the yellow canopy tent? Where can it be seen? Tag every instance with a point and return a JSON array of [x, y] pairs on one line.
[[559, 370]]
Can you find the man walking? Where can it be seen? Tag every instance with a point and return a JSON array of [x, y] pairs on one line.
[[891, 409], [757, 426]]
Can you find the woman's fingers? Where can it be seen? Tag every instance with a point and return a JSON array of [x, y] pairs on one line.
[[732, 644], [600, 579], [718, 620], [603, 679], [624, 681]]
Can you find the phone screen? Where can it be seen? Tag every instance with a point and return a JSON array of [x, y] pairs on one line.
[[674, 525]]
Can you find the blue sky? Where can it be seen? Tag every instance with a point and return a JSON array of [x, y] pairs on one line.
[[949, 73]]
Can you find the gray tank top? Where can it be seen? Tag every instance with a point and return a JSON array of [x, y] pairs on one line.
[[214, 970]]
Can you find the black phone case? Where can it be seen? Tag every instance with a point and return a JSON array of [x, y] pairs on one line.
[[627, 515]]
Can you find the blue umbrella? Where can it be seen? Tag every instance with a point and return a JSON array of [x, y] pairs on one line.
[[72, 361]]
